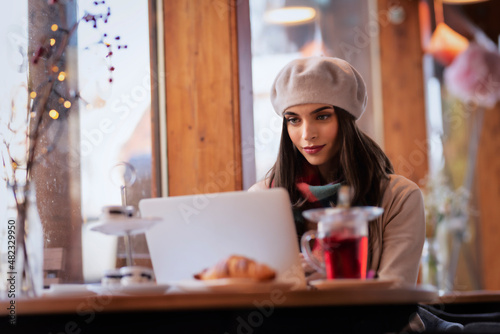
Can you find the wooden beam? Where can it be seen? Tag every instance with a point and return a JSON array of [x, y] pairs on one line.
[[202, 102], [488, 187], [405, 135], [156, 141]]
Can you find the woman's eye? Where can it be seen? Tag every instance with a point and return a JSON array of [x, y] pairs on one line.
[[323, 117], [292, 120]]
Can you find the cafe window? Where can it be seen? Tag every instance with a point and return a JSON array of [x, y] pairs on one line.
[[108, 137], [104, 141], [115, 125], [287, 29]]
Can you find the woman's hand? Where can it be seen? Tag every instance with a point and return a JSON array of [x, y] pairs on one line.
[[310, 273], [305, 265]]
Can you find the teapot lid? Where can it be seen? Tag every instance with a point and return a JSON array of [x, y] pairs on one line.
[[326, 214]]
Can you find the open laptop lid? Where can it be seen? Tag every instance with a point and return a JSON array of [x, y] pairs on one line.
[[199, 230]]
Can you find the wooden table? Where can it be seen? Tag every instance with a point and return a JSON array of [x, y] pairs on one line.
[[468, 302], [477, 296], [346, 310]]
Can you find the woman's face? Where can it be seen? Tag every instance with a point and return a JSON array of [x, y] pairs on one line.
[[313, 129]]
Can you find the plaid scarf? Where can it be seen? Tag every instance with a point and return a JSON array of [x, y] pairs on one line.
[[319, 196], [316, 195]]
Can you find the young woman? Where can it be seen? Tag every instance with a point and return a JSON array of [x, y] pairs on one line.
[[322, 148]]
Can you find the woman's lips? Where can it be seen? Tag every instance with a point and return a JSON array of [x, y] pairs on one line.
[[313, 149]]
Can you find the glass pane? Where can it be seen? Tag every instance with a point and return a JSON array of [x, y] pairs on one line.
[[115, 116], [115, 137], [346, 29], [115, 123], [105, 72], [13, 105]]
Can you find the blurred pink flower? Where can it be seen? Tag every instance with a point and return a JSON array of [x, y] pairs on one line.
[[474, 76]]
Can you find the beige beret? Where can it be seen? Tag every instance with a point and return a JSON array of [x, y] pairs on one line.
[[319, 80]]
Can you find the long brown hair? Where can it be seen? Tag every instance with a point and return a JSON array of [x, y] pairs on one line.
[[362, 163]]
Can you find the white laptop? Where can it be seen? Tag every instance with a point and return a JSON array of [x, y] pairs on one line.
[[197, 231]]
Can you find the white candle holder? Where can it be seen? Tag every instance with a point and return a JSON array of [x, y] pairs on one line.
[[123, 221]]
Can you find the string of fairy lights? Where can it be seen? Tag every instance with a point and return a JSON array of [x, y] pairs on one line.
[[52, 49]]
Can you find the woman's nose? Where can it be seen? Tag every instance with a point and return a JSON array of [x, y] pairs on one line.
[[309, 131]]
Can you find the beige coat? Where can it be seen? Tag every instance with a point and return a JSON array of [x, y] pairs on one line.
[[402, 227]]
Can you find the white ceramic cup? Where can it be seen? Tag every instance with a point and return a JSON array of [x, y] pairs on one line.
[[136, 275]]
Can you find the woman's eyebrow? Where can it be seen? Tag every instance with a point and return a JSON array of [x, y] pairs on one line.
[[321, 109], [291, 113]]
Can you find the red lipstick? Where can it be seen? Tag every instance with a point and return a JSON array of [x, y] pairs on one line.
[[313, 149]]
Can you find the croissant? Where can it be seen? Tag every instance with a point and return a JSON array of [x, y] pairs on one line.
[[237, 266]]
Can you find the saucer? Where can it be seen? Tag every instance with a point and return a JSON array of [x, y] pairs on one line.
[[67, 290], [358, 284], [124, 225], [233, 285], [129, 289]]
